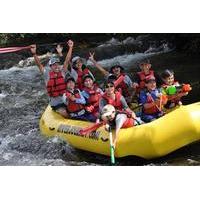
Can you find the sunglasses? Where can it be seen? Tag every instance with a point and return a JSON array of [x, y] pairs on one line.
[[109, 86]]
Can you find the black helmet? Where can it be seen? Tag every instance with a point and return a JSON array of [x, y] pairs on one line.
[[111, 78], [87, 76], [70, 79], [118, 66]]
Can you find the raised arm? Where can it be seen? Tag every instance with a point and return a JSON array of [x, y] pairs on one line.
[[97, 65], [59, 50], [37, 60], [69, 55]]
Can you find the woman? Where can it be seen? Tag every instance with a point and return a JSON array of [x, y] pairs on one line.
[[115, 98]]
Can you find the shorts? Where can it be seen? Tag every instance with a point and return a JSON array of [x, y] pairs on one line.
[[149, 118], [61, 105], [86, 117]]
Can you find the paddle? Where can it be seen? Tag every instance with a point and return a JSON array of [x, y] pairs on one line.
[[13, 49], [112, 149]]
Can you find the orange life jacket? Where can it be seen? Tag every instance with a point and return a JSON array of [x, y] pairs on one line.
[[80, 76], [116, 103], [142, 77], [153, 109], [72, 106], [56, 85], [174, 100]]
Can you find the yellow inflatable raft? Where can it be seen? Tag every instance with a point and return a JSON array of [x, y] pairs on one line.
[[158, 138]]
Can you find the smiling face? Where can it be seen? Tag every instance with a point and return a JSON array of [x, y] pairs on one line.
[[169, 80], [109, 89], [151, 85], [56, 67], [145, 67], [116, 71], [79, 63], [70, 85], [88, 82], [109, 118]]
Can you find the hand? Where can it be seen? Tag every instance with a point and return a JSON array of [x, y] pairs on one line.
[[183, 94], [89, 108], [107, 127], [59, 49], [135, 85], [114, 143], [164, 99], [133, 115], [33, 49], [72, 98], [91, 56], [70, 43]]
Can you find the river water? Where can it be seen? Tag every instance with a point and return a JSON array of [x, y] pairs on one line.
[[23, 99]]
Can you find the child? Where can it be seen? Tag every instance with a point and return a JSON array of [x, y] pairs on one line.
[[152, 100], [146, 71], [173, 89], [75, 102], [79, 70], [92, 93]]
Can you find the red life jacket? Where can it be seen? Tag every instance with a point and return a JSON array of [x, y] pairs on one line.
[[127, 124], [122, 86], [153, 109], [72, 106], [142, 77], [56, 85], [94, 95], [129, 121], [116, 103], [80, 75]]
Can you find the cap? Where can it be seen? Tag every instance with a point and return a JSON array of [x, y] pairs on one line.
[[150, 78], [53, 60], [107, 110], [74, 59], [118, 66], [87, 76], [111, 78]]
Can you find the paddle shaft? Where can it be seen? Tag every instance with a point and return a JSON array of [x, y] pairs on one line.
[[112, 153]]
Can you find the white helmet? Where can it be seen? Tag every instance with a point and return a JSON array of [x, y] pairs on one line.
[[107, 111], [74, 59]]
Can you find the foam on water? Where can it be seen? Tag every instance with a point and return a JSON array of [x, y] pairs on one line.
[[127, 60]]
